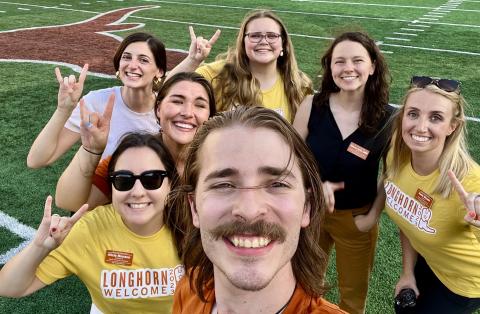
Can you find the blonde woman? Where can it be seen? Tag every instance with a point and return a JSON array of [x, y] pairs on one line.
[[260, 69], [439, 227]]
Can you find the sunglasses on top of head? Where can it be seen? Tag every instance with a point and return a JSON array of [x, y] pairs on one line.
[[444, 84], [124, 180]]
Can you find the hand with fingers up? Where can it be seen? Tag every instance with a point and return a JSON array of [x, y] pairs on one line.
[[69, 89], [53, 229], [470, 200], [200, 47], [329, 189], [94, 127]]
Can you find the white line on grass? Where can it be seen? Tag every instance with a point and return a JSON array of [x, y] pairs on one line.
[[396, 38], [428, 19], [14, 226], [377, 4], [412, 29], [280, 11], [406, 34], [419, 25], [65, 5], [23, 9]]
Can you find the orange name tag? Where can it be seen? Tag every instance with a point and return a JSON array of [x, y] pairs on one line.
[[424, 199], [358, 150], [118, 258]]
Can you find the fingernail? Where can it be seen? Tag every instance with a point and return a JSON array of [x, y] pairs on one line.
[[54, 229], [472, 214]]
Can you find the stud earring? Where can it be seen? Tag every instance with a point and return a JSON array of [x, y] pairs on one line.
[[281, 53]]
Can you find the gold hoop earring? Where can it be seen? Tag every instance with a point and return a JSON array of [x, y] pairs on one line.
[[281, 53], [157, 83], [117, 74]]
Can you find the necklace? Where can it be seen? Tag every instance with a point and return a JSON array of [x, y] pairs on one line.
[[286, 304]]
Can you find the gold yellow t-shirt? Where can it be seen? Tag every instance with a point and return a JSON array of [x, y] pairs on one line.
[[273, 98], [123, 272], [436, 228]]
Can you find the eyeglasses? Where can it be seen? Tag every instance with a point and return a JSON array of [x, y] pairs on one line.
[[257, 37], [444, 84], [124, 180]]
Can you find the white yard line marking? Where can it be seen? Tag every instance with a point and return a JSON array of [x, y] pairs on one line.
[[14, 226], [419, 25], [299, 35], [396, 38], [428, 19], [65, 5], [378, 4], [406, 34], [412, 29], [23, 9]]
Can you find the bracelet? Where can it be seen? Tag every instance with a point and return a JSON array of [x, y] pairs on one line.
[[93, 153]]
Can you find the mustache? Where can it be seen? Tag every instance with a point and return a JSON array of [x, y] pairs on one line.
[[260, 228]]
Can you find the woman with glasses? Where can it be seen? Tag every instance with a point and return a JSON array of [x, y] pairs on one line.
[[260, 70], [183, 103], [431, 187], [346, 126], [140, 62], [125, 253]]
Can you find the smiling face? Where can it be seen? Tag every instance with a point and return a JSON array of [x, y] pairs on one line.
[[427, 121], [263, 52], [249, 234], [141, 209], [351, 66], [182, 111], [137, 67]]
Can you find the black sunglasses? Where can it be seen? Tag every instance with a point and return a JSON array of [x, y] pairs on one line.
[[124, 180], [444, 84]]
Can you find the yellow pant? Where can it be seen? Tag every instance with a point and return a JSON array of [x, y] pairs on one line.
[[355, 251]]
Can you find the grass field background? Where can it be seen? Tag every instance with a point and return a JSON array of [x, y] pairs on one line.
[[447, 47]]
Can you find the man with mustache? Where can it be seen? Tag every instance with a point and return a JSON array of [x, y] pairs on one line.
[[255, 198]]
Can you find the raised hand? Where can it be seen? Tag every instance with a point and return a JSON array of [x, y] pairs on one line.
[[69, 89], [470, 200], [200, 47], [329, 189], [53, 229], [94, 127]]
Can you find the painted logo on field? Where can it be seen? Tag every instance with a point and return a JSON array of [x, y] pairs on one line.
[[90, 41]]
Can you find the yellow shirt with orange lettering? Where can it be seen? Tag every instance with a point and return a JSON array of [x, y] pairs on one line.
[[123, 272]]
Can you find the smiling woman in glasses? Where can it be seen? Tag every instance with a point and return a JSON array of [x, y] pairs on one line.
[[260, 70], [125, 253]]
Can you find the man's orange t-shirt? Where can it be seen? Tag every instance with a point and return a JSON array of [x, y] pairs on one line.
[[186, 301]]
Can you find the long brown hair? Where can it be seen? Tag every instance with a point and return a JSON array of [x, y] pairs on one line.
[[235, 84], [309, 261], [376, 94]]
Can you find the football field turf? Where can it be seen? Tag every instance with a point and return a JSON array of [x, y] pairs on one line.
[[428, 37]]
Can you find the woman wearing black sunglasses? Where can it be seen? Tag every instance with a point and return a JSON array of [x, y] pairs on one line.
[[432, 186], [346, 126], [183, 103], [126, 253]]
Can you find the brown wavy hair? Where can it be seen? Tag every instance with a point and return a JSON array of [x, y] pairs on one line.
[[235, 84], [376, 95], [309, 260]]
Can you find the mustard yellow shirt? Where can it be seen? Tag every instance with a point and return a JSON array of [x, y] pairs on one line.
[[123, 272], [273, 98], [435, 227]]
